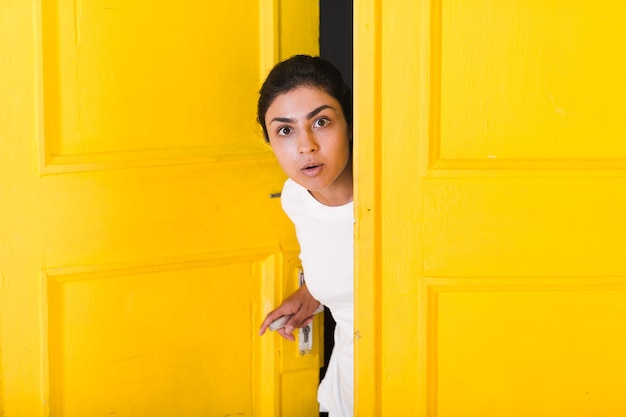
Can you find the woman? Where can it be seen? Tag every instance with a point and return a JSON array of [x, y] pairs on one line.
[[305, 110]]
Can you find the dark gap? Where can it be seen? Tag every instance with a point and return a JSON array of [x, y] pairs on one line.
[[336, 35]]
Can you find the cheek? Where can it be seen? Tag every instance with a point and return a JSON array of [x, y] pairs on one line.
[[343, 147], [283, 155]]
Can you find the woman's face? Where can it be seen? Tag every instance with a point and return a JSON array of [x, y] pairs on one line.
[[309, 136]]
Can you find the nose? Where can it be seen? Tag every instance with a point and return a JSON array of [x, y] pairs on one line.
[[307, 143]]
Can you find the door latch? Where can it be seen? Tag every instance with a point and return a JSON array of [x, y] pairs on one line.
[[305, 339]]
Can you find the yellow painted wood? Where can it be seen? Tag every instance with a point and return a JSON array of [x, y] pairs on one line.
[[299, 27], [491, 183], [367, 154], [139, 245]]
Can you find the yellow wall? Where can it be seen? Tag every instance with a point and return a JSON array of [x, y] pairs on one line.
[[491, 181], [139, 248]]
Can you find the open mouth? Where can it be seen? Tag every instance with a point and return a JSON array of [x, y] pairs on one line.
[[312, 169]]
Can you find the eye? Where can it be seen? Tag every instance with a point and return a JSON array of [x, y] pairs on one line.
[[321, 122], [284, 131]]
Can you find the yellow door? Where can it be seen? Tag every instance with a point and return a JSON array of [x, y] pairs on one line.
[[139, 245], [491, 180]]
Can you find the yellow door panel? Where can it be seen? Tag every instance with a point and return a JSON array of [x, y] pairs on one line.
[[140, 247], [151, 341], [528, 346], [491, 182], [526, 79], [296, 386], [147, 74], [554, 226]]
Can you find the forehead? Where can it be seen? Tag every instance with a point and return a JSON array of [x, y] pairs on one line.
[[299, 101]]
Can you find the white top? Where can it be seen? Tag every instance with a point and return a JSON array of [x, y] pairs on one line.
[[326, 237]]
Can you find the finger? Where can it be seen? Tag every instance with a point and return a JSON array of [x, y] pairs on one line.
[[274, 315], [265, 325], [286, 335], [299, 321]]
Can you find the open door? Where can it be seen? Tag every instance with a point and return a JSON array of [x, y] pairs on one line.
[[140, 246], [491, 192]]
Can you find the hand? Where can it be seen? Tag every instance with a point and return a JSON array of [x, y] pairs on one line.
[[301, 304]]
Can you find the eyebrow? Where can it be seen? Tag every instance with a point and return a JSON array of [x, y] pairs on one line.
[[309, 115]]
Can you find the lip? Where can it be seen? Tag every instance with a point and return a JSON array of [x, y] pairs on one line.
[[311, 169]]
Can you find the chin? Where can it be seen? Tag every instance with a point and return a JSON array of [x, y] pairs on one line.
[[313, 185]]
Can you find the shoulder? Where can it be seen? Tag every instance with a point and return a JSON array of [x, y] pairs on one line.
[[298, 202], [294, 196], [291, 189]]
